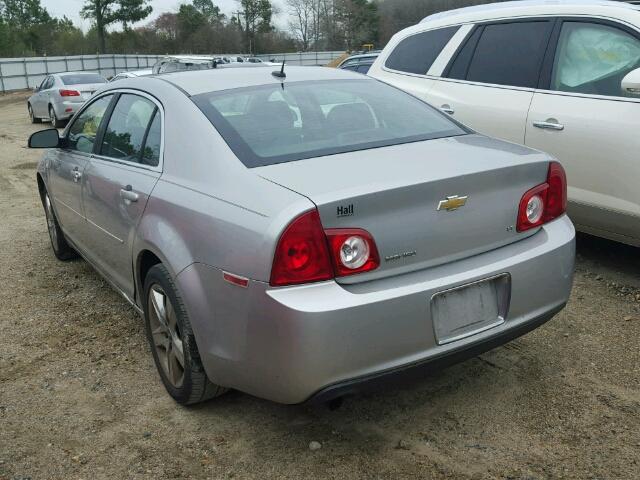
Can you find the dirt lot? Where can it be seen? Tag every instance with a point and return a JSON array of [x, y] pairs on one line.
[[80, 397]]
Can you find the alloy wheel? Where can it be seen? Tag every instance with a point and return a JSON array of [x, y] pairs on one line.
[[165, 332], [51, 220]]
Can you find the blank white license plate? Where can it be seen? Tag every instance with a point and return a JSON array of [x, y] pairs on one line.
[[470, 309]]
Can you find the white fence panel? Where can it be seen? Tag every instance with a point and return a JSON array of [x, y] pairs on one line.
[[22, 73]]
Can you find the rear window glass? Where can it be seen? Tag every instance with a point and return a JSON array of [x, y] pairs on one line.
[[82, 78], [416, 54], [278, 123]]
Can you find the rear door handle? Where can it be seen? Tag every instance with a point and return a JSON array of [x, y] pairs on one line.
[[128, 194], [550, 124], [76, 175], [447, 109]]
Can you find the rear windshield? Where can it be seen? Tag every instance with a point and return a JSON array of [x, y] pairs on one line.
[[82, 78], [277, 123]]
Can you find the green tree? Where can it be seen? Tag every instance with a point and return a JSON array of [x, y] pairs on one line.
[[108, 12], [22, 14], [254, 18], [210, 11]]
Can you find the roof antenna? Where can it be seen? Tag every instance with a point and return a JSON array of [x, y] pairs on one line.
[[279, 74]]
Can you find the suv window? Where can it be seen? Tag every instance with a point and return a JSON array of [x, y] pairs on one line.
[[82, 132], [593, 59], [508, 54], [416, 54], [125, 133]]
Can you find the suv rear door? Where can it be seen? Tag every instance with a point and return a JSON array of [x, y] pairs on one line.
[[489, 83]]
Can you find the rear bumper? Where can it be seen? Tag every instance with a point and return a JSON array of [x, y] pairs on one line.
[[418, 370], [67, 108], [325, 339]]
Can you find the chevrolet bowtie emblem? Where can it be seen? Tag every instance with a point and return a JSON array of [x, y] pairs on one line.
[[452, 203]]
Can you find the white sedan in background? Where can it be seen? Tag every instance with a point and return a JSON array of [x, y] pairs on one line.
[[132, 74], [60, 96], [562, 77]]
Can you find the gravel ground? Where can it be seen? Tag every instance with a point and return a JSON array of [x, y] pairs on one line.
[[80, 397]]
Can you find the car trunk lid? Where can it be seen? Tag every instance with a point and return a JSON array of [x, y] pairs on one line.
[[424, 203]]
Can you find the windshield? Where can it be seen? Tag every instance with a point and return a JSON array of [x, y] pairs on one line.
[[277, 123], [82, 78]]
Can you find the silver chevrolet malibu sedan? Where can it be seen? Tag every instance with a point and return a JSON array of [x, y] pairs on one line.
[[304, 235]]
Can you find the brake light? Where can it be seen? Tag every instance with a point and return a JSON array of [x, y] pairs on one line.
[[306, 253], [69, 93], [302, 255], [544, 202]]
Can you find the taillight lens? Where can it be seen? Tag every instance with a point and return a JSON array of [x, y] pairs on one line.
[[352, 250], [69, 93], [302, 255], [306, 253], [544, 202]]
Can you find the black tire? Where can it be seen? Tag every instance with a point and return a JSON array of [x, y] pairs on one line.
[[193, 386], [54, 119], [31, 116], [61, 249]]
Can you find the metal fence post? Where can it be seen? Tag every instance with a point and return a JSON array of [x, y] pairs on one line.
[[66, 64], [82, 61], [26, 75], [2, 79], [115, 70], [99, 69]]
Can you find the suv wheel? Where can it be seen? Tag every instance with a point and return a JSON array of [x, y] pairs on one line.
[[172, 341], [61, 249]]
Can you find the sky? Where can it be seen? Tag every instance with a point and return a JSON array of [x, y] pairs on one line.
[[71, 8]]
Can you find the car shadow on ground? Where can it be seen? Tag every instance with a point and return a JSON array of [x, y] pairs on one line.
[[608, 258]]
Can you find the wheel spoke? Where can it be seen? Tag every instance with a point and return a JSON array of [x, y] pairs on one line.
[[160, 336], [158, 302], [171, 317], [176, 348]]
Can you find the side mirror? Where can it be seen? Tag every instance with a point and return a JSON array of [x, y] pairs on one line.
[[631, 83], [48, 138]]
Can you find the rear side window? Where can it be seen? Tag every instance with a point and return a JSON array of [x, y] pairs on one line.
[[506, 54], [416, 54], [151, 151], [126, 131]]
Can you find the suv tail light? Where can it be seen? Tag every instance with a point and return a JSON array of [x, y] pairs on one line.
[[69, 93], [544, 202], [306, 253]]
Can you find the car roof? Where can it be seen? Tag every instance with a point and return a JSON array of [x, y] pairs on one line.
[[526, 7], [194, 82]]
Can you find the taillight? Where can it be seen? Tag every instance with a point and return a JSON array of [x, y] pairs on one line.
[[302, 255], [69, 93], [306, 253], [352, 250], [544, 202]]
